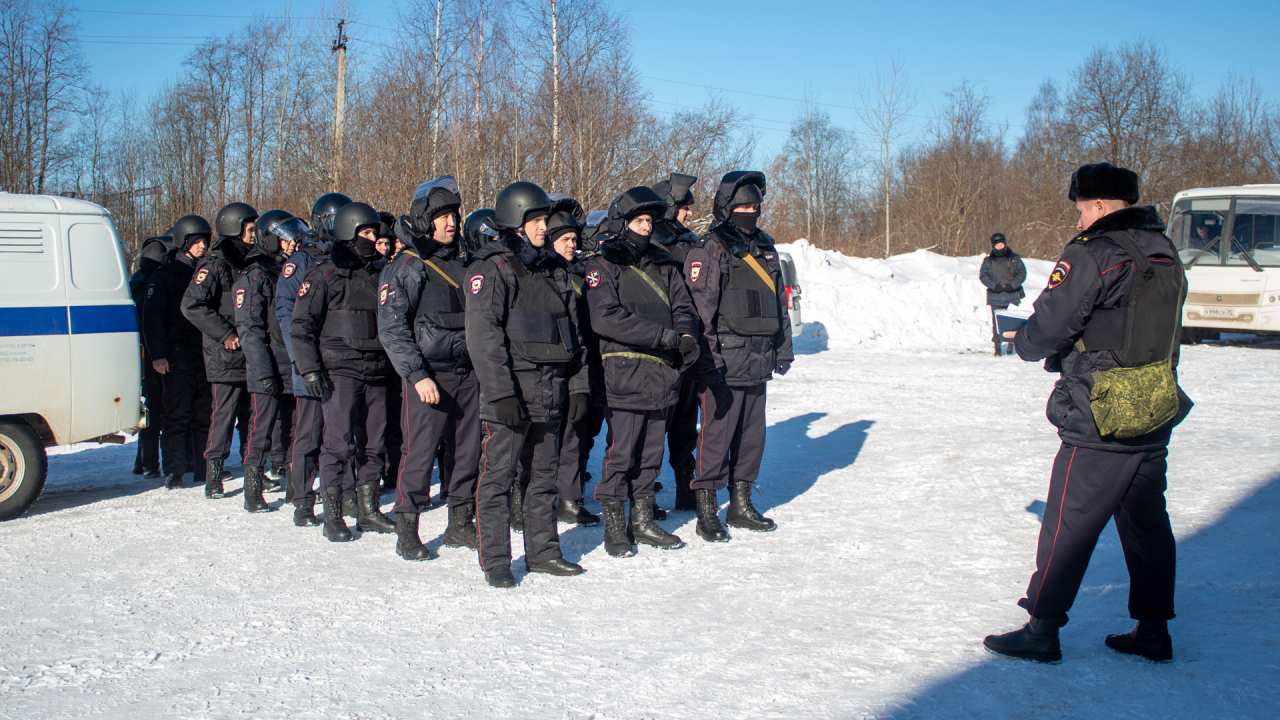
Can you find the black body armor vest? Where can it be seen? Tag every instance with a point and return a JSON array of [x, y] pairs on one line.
[[355, 320], [747, 305], [1156, 293], [443, 301], [538, 322]]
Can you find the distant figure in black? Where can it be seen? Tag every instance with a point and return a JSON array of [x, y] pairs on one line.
[[1003, 273]]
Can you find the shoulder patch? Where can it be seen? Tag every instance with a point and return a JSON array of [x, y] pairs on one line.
[[1059, 274], [695, 271], [382, 293], [289, 270], [477, 284], [593, 278], [302, 290], [151, 290], [200, 276], [240, 298]]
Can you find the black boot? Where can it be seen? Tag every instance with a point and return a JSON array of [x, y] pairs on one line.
[[1037, 640], [270, 484], [349, 508], [461, 531], [335, 528], [742, 514], [517, 507], [151, 474], [369, 515], [1150, 639], [572, 512], [409, 546], [500, 577], [685, 499], [304, 515], [173, 481], [998, 343], [253, 501], [213, 480], [658, 512], [709, 527], [559, 566], [646, 531], [616, 542]]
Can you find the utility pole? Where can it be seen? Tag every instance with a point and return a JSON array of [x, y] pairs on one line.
[[339, 102]]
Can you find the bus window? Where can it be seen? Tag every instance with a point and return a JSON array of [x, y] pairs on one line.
[[1255, 231], [1196, 228]]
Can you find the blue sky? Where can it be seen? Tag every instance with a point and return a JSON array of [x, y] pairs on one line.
[[780, 49]]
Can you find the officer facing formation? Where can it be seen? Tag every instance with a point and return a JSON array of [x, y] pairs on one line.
[[155, 253], [1002, 273], [735, 278], [1108, 320]]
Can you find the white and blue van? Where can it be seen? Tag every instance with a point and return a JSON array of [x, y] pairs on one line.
[[69, 352]]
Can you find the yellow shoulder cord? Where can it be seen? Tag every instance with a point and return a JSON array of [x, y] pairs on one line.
[[755, 265], [432, 265]]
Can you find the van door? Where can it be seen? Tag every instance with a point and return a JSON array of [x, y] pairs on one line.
[[35, 349], [105, 355]]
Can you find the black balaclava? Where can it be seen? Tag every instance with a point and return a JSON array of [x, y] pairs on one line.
[[745, 195], [996, 240], [640, 242], [365, 248]]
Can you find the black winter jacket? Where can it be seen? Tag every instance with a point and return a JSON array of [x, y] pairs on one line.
[[418, 347], [1095, 273], [261, 339], [590, 342], [168, 333], [493, 287], [1004, 270], [207, 303], [640, 357], [745, 360], [323, 289], [676, 238], [295, 267]]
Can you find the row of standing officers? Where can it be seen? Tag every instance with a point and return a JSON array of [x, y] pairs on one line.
[[365, 348]]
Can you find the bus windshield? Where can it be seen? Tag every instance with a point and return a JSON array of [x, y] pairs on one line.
[[1195, 226], [1227, 231], [1254, 232]]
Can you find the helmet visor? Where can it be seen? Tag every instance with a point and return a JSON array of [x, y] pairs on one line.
[[424, 190], [293, 229]]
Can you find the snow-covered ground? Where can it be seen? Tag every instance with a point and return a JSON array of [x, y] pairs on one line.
[[906, 476]]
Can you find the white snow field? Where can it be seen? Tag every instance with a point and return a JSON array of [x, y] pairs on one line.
[[906, 469]]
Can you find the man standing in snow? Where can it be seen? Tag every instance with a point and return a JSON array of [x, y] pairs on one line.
[[1108, 322], [1003, 273]]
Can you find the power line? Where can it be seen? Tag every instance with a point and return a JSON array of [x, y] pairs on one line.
[[232, 17]]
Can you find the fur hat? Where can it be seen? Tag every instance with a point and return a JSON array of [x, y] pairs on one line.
[[1104, 181]]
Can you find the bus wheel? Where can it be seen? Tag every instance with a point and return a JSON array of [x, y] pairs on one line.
[[23, 468], [1195, 336]]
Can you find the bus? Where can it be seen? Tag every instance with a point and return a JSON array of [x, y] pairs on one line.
[[1229, 242]]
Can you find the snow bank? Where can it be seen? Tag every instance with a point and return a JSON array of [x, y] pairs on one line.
[[919, 301]]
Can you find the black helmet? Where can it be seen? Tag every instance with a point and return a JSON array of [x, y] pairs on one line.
[[231, 219], [588, 241], [677, 190], [998, 238], [156, 251], [516, 201], [478, 230], [189, 226], [636, 201], [269, 226], [350, 218], [432, 199], [564, 216], [727, 195], [324, 209]]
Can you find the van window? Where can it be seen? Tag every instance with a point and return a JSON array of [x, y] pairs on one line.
[[95, 260], [27, 258], [1255, 231]]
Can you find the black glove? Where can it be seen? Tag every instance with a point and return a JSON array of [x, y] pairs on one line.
[[715, 377], [577, 407], [1003, 288], [509, 411], [271, 386], [688, 351], [315, 383], [782, 367]]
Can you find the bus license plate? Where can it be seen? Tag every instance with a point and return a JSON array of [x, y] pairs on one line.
[[1218, 312]]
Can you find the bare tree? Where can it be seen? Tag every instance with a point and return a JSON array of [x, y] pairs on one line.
[[886, 102]]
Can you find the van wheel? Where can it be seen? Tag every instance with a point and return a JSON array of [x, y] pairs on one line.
[[23, 468], [1195, 336]]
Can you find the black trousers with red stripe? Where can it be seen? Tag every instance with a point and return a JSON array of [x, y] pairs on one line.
[[264, 415], [353, 406], [1087, 488], [186, 417], [633, 458], [500, 454], [731, 444], [682, 425], [576, 441], [424, 425], [230, 409], [304, 457]]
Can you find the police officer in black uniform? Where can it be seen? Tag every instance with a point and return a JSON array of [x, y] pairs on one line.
[[421, 322], [308, 426], [672, 231], [1002, 273], [334, 338], [266, 359], [1114, 300], [524, 341], [209, 305], [156, 252], [643, 315], [173, 345], [736, 280]]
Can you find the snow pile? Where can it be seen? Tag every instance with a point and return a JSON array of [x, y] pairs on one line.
[[916, 301]]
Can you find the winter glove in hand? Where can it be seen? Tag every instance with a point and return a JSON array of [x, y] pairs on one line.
[[715, 377], [271, 386], [577, 407], [688, 350], [315, 383], [510, 411], [669, 340], [1004, 288], [782, 367]]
